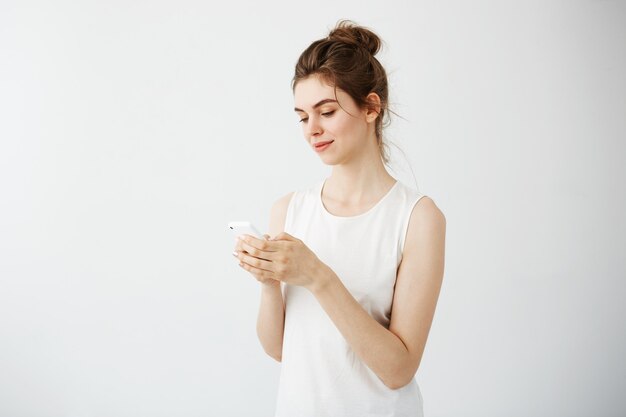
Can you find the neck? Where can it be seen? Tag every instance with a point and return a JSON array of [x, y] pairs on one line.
[[359, 181]]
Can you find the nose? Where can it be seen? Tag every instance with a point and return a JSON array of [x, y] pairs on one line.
[[313, 127]]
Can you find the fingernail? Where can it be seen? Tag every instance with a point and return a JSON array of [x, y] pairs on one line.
[[235, 254]]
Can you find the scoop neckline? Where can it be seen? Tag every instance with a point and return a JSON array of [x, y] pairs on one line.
[[365, 213]]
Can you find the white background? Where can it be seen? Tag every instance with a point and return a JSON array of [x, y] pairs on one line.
[[132, 132]]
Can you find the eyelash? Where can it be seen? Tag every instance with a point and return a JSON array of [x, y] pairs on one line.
[[327, 114]]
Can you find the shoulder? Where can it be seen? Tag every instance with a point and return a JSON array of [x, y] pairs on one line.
[[427, 227], [281, 204], [278, 213], [426, 211]]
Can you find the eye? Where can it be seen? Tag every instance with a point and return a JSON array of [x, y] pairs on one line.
[[328, 113], [304, 119]]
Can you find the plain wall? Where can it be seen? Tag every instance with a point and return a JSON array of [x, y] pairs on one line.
[[132, 132]]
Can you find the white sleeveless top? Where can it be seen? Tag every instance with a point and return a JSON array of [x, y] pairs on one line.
[[320, 373]]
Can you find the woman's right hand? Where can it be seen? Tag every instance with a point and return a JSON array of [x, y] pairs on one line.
[[267, 282]]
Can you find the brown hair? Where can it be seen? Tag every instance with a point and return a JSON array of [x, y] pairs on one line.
[[345, 59]]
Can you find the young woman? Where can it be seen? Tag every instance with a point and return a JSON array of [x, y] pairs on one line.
[[360, 255]]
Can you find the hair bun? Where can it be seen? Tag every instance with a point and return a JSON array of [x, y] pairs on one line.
[[349, 33]]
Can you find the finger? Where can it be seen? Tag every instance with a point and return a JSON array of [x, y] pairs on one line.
[[257, 253], [260, 264], [248, 242], [238, 242], [283, 236], [255, 271], [275, 245]]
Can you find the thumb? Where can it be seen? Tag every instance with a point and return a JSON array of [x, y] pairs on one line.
[[283, 236]]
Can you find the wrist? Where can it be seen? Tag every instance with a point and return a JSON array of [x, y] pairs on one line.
[[270, 285], [322, 279]]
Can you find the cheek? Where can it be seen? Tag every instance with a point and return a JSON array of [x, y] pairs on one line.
[[339, 125], [351, 129]]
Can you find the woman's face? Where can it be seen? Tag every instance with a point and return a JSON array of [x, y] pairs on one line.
[[335, 121]]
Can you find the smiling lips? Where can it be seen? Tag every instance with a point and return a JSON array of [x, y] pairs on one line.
[[320, 145]]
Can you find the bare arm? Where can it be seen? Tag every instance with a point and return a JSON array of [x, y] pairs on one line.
[[271, 317], [394, 354]]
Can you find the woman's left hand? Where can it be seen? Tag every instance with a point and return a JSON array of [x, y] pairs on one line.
[[284, 258]]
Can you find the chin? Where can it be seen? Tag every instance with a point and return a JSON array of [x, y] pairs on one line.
[[329, 160]]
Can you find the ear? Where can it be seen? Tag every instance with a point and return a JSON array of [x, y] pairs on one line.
[[373, 107]]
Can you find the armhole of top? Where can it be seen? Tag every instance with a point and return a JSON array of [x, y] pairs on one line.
[[405, 226], [289, 215]]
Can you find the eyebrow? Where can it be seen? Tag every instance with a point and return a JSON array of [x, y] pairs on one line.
[[319, 103]]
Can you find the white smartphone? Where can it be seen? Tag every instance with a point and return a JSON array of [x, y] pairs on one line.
[[244, 228]]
